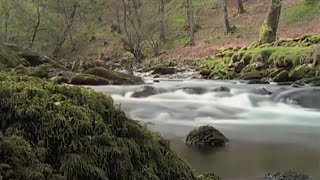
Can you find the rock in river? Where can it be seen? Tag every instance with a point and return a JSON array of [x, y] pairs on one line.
[[145, 91], [288, 175], [305, 97], [206, 136]]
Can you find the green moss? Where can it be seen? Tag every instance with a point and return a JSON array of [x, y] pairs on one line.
[[88, 79], [113, 76], [300, 12], [8, 58], [51, 131]]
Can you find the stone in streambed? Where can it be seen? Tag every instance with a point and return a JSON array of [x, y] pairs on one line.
[[164, 70], [258, 81], [288, 175], [145, 91], [221, 89], [206, 137]]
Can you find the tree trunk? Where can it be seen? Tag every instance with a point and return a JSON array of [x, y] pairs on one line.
[[118, 20], [6, 21], [125, 28], [240, 7], [191, 24], [66, 31], [268, 32], [162, 21], [225, 16], [36, 27]]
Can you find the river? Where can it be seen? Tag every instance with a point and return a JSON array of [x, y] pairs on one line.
[[265, 136]]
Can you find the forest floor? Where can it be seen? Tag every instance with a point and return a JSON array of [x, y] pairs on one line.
[[296, 20]]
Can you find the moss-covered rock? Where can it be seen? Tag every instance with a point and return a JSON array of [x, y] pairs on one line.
[[283, 76], [164, 70], [8, 58], [51, 131], [59, 79], [299, 72], [88, 79], [114, 77], [207, 137]]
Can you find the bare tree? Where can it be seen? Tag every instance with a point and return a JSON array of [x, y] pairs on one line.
[[36, 27], [66, 31], [268, 32], [226, 23], [241, 9], [191, 23], [6, 8], [162, 21]]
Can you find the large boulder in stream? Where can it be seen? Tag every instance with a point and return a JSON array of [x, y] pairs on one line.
[[206, 137], [164, 70], [305, 97], [288, 175], [114, 77], [50, 131]]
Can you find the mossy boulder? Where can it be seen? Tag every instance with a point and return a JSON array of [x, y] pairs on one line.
[[46, 70], [59, 79], [164, 70], [299, 72], [206, 137], [51, 131], [283, 76], [88, 79], [8, 58], [114, 77]]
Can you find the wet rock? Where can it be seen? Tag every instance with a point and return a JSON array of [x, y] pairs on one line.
[[221, 89], [88, 79], [261, 91], [206, 137], [297, 85], [305, 97], [35, 59], [156, 81], [145, 91], [315, 84], [194, 90], [285, 83], [205, 73], [164, 70], [116, 78], [238, 66], [252, 76], [258, 81], [288, 175], [156, 76], [59, 79], [283, 76]]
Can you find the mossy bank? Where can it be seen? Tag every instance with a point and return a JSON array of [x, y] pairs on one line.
[[281, 61], [51, 131]]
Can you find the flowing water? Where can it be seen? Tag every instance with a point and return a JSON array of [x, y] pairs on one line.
[[265, 136]]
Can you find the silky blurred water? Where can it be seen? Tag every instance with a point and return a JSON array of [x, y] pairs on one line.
[[265, 136]]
